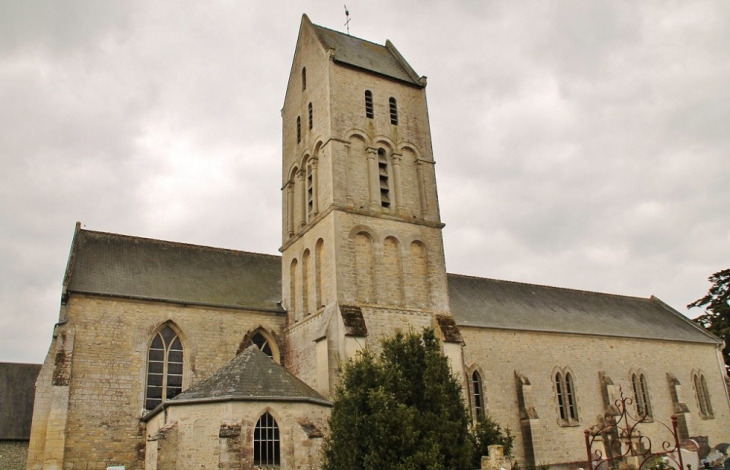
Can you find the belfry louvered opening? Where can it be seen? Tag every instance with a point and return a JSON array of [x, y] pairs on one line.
[[383, 173]]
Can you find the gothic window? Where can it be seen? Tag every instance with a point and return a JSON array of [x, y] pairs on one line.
[[299, 129], [565, 394], [310, 116], [310, 191], [369, 104], [476, 386], [266, 446], [383, 171], [164, 367], [703, 396], [304, 78], [393, 111], [641, 394], [262, 343]]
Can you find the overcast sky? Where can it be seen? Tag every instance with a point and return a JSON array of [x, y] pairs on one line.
[[578, 144]]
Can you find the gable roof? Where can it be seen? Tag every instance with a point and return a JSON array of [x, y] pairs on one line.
[[491, 303], [251, 375], [383, 60], [142, 268], [133, 267]]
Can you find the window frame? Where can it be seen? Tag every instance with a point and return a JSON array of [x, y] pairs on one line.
[[304, 78], [566, 398], [642, 399], [702, 395], [167, 372], [369, 108], [270, 442], [311, 119], [299, 129], [477, 393], [393, 106]]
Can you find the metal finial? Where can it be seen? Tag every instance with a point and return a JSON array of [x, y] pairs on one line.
[[347, 23]]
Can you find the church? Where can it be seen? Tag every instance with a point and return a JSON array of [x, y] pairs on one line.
[[168, 355]]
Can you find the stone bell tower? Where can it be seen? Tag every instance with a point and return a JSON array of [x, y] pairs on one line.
[[361, 232]]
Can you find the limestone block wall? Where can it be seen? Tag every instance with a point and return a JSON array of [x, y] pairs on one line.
[[535, 356], [389, 262], [220, 435], [107, 371]]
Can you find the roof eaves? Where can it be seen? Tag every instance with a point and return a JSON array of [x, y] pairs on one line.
[[180, 302], [658, 301], [578, 333]]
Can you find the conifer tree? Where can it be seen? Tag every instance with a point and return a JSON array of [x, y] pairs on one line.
[[401, 409], [716, 318]]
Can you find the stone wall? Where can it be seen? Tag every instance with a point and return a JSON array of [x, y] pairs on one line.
[[220, 435], [97, 423], [518, 370]]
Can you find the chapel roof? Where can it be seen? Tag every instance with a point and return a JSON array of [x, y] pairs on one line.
[[251, 375], [142, 268], [491, 303], [383, 60]]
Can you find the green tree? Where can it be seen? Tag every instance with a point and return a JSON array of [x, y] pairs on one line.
[[488, 432], [716, 318], [400, 410]]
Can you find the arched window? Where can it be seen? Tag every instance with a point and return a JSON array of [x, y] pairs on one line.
[[369, 104], [383, 171], [164, 367], [262, 343], [393, 111], [565, 394], [476, 386], [299, 129], [310, 116], [266, 447], [304, 78], [641, 394], [703, 396]]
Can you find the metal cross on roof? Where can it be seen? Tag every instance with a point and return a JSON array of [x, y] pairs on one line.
[[347, 23]]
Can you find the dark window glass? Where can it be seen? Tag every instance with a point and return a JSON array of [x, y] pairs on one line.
[[304, 78], [369, 104], [393, 111], [262, 343], [310, 116], [476, 381], [299, 129], [164, 367], [266, 447]]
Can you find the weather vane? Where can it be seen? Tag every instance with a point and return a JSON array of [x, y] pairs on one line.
[[347, 23]]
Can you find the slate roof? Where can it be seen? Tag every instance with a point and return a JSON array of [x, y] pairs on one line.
[[356, 52], [17, 391], [120, 265], [134, 267], [491, 303], [252, 375]]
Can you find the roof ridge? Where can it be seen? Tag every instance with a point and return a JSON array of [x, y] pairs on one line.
[[633, 297], [350, 36], [174, 243]]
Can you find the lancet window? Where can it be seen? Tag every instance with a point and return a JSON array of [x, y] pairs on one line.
[[703, 396], [393, 111], [266, 445], [476, 385], [641, 394], [369, 112], [384, 173], [565, 394], [164, 367]]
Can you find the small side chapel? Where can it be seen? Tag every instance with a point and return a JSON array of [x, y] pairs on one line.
[[168, 355]]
